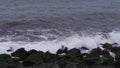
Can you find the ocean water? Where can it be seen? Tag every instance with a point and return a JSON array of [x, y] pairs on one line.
[[49, 24]]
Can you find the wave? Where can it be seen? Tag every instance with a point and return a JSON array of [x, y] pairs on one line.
[[68, 39]]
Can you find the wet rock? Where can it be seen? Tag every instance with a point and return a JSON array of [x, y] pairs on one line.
[[117, 64], [92, 60], [19, 53], [34, 58], [62, 50], [105, 52], [48, 57], [117, 56], [107, 60], [31, 52], [54, 65], [107, 46], [115, 49], [4, 58], [63, 61], [73, 53], [11, 66], [28, 63], [71, 65], [84, 48], [96, 51]]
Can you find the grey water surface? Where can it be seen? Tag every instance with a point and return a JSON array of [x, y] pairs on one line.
[[16, 16]]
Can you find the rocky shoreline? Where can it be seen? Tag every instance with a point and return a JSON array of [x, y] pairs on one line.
[[64, 58]]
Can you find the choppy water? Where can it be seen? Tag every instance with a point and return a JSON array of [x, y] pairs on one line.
[[48, 24]]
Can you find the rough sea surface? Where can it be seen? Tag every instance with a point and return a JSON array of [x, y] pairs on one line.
[[48, 24]]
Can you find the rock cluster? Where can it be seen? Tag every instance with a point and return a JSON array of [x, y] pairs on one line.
[[64, 58]]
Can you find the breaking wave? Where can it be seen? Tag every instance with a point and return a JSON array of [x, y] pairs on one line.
[[52, 40]]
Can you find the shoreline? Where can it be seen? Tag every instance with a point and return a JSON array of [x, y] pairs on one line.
[[64, 58]]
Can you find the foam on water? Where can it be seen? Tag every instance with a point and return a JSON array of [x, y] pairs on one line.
[[74, 41]]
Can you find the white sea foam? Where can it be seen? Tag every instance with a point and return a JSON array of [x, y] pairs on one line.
[[73, 41]]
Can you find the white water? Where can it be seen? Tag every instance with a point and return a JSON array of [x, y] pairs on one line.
[[73, 41]]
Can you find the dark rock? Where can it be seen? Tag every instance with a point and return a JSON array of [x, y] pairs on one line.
[[105, 52], [11, 49], [28, 63], [4, 58], [63, 61], [73, 53], [96, 52], [48, 57], [34, 58], [117, 56], [117, 64], [54, 65], [62, 50], [31, 52], [107, 60], [19, 53], [11, 66], [107, 46], [84, 48], [115, 49], [92, 60], [71, 65]]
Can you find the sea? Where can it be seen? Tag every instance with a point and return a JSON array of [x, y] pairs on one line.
[[47, 25]]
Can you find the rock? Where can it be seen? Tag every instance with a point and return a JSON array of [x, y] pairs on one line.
[[31, 52], [19, 53], [54, 65], [71, 65], [63, 61], [4, 58], [117, 56], [107, 46], [48, 57], [73, 53], [92, 60], [28, 63], [84, 48], [96, 51], [105, 52], [107, 60], [115, 49], [11, 66], [34, 58], [62, 50], [117, 64]]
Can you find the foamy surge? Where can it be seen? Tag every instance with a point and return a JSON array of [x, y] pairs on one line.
[[73, 41]]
